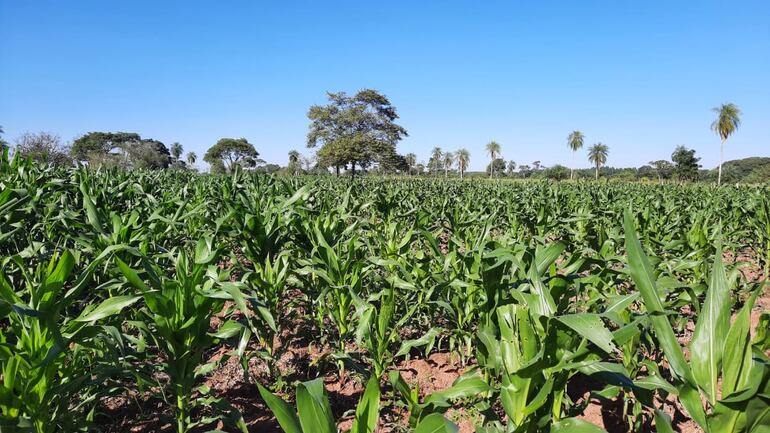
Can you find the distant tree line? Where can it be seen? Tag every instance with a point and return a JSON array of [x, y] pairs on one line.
[[358, 134]]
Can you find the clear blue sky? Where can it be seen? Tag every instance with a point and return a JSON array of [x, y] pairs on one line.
[[641, 77]]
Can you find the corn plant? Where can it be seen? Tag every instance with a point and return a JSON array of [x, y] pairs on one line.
[[178, 312], [45, 350], [722, 369]]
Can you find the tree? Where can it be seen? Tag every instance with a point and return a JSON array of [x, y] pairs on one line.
[[99, 144], [662, 168], [536, 166], [493, 150], [176, 151], [597, 154], [575, 142], [191, 158], [355, 130], [511, 167], [43, 147], [230, 153], [728, 121], [685, 163], [294, 162], [448, 159], [557, 172], [435, 163], [525, 171], [148, 154], [411, 160], [463, 159], [496, 166], [3, 143]]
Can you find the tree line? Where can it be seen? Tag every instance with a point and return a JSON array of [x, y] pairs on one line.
[[356, 134]]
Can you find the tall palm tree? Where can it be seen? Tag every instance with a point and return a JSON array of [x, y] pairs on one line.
[[176, 151], [293, 165], [411, 159], [728, 120], [493, 150], [191, 158], [463, 159], [575, 142], [448, 159], [597, 154], [435, 159]]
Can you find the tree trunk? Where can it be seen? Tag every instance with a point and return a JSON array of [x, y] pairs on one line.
[[462, 171], [721, 155], [337, 170], [597, 171], [446, 172], [572, 170], [353, 170]]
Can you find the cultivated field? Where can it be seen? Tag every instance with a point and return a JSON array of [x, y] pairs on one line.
[[171, 301]]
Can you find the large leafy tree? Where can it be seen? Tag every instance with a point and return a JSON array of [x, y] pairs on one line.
[[98, 144], [191, 158], [493, 150], [662, 168], [354, 130], [685, 163], [230, 153], [728, 120], [127, 149], [597, 154], [463, 158], [3, 143], [575, 141]]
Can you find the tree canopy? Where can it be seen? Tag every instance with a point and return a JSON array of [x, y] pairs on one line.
[[230, 153], [126, 149], [685, 163], [354, 130]]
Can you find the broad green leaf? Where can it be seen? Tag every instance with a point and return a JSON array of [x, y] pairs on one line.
[[575, 425], [283, 412], [436, 423], [711, 329], [368, 409], [590, 326], [315, 415], [107, 308]]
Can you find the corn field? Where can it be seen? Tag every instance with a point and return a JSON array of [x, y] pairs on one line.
[[125, 292]]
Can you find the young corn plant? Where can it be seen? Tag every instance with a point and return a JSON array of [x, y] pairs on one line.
[[45, 353], [178, 309], [724, 384]]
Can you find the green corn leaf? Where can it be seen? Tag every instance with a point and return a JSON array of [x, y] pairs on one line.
[[108, 307], [575, 425], [662, 422], [711, 330], [590, 326], [315, 415], [737, 351], [131, 276], [436, 423], [368, 409], [284, 413], [641, 273]]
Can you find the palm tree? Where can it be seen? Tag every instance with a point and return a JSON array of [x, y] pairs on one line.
[[176, 151], [411, 159], [728, 120], [575, 142], [293, 161], [191, 158], [435, 159], [493, 149], [448, 160], [597, 154], [463, 159]]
